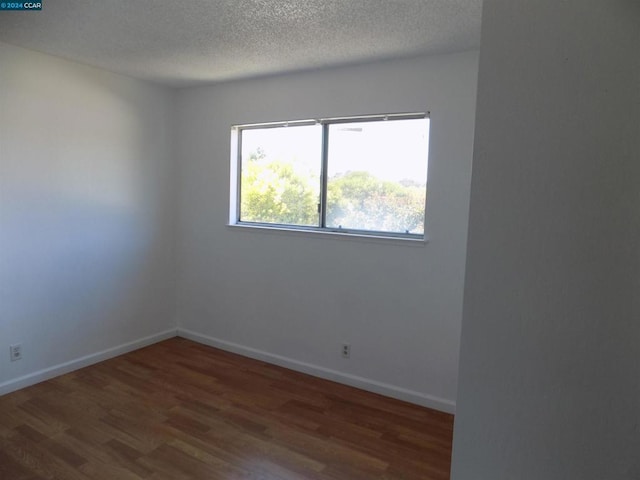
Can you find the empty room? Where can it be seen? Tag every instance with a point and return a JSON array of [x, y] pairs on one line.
[[347, 239]]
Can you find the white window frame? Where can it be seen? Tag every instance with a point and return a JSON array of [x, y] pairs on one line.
[[236, 176]]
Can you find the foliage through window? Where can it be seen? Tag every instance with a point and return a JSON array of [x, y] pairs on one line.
[[364, 175]]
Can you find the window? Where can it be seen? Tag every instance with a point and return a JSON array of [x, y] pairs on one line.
[[361, 175]]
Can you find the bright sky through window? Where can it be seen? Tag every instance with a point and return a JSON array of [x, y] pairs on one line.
[[370, 151]]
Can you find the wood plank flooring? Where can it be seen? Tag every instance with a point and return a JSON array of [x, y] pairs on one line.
[[180, 410]]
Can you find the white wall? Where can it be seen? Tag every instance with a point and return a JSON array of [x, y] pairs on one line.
[[550, 354], [294, 298], [86, 213]]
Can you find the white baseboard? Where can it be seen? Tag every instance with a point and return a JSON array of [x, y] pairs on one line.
[[370, 385], [66, 367], [381, 388]]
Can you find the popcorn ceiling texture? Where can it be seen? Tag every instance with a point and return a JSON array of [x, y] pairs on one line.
[[182, 43]]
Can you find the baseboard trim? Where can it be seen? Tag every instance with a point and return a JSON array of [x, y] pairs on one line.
[[76, 364], [374, 386]]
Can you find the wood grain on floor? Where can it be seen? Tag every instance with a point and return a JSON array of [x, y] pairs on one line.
[[181, 410]]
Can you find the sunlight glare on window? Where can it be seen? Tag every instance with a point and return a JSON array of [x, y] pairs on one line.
[[377, 175]]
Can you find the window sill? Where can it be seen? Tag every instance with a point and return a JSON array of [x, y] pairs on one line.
[[331, 235]]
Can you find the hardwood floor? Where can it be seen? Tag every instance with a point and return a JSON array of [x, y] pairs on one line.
[[181, 410]]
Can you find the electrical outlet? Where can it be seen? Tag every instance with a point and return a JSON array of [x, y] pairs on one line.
[[346, 350], [15, 352]]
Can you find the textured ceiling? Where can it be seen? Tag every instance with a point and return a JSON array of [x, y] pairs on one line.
[[197, 41]]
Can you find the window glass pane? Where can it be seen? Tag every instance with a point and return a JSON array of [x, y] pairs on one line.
[[280, 175], [377, 175]]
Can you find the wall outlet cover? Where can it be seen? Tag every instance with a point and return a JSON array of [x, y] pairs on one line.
[[15, 352]]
